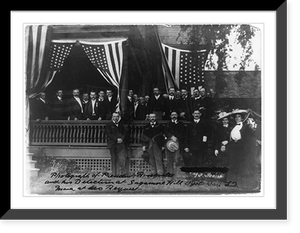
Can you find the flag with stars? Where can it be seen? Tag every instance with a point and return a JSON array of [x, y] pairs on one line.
[[186, 66], [59, 51], [107, 57]]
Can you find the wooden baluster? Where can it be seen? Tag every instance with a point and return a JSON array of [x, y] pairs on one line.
[[43, 133], [40, 133], [33, 133], [37, 128], [85, 133], [90, 134], [95, 133], [60, 129], [66, 134], [51, 129], [72, 132], [131, 139], [98, 133], [52, 132], [78, 134], [138, 129], [57, 133], [136, 134], [101, 130]]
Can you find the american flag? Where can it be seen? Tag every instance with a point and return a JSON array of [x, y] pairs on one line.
[[37, 41], [186, 66], [107, 57], [58, 54], [59, 51]]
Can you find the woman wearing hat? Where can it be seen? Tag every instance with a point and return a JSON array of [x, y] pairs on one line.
[[240, 151], [221, 139]]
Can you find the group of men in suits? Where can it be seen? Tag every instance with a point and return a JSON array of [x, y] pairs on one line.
[[232, 144], [139, 108], [88, 107]]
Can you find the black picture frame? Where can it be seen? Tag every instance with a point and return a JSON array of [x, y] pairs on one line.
[[279, 213]]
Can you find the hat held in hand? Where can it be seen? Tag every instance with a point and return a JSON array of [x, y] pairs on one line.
[[172, 145]]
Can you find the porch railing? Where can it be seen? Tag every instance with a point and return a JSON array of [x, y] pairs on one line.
[[78, 133]]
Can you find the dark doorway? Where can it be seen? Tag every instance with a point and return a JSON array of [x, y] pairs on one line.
[[77, 72]]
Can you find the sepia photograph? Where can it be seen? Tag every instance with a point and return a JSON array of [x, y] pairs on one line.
[[145, 109]]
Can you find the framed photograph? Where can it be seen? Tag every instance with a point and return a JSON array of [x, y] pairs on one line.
[[149, 114]]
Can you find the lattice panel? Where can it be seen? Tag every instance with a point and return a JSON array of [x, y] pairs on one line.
[[139, 165], [94, 164]]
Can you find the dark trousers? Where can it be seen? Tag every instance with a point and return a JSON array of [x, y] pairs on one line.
[[222, 159], [172, 158], [118, 154], [156, 159], [197, 158]]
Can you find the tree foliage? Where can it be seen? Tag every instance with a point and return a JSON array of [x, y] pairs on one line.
[[216, 37]]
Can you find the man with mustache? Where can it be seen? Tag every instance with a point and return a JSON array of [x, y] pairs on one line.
[[153, 142], [116, 134], [75, 108], [197, 133], [175, 132]]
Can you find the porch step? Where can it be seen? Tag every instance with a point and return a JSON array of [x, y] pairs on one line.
[[33, 172], [31, 169]]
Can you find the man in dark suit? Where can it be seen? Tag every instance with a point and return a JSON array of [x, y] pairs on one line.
[[74, 106], [141, 110], [152, 142], [128, 113], [58, 107], [203, 103], [175, 131], [116, 135], [110, 103], [85, 99], [157, 104], [185, 106], [101, 105], [197, 133], [147, 105], [91, 109], [171, 104], [39, 108]]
